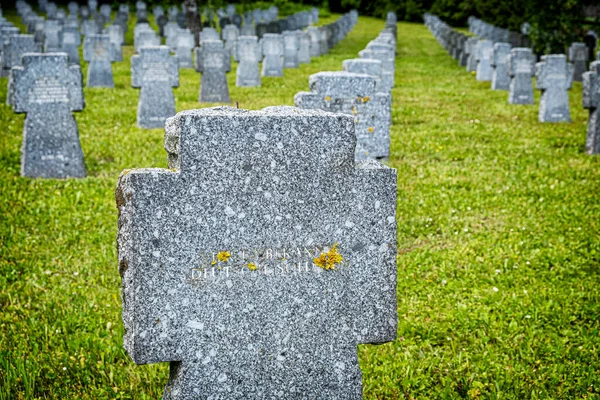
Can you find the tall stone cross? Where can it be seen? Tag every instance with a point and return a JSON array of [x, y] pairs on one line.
[[261, 258], [356, 95], [249, 55], [500, 77], [14, 48], [183, 50], [368, 67], [483, 55], [554, 77], [52, 35], [213, 61], [48, 90], [71, 39], [386, 54], [521, 68], [272, 50], [291, 45], [578, 55], [230, 35], [97, 52], [117, 38], [304, 47], [156, 72], [591, 101]]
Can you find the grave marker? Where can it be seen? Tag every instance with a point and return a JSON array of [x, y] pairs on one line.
[[155, 72], [521, 68], [49, 90], [14, 48], [554, 77], [185, 45], [272, 50], [213, 61], [97, 52], [500, 77], [304, 47], [290, 49], [249, 54], [578, 55], [483, 55], [591, 101], [71, 39], [305, 233]]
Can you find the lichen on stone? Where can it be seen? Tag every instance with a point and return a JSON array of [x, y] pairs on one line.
[[223, 256], [329, 259]]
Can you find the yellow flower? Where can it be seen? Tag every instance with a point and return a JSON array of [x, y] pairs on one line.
[[371, 129], [252, 267], [223, 256], [329, 259]]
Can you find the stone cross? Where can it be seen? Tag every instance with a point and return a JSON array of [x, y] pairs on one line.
[[89, 27], [48, 90], [71, 39], [73, 8], [366, 66], [209, 34], [304, 250], [14, 48], [249, 55], [145, 38], [272, 51], [97, 52], [315, 45], [291, 45], [304, 47], [117, 38], [185, 45], [470, 49], [483, 55], [170, 30], [386, 54], [356, 95], [554, 77], [213, 61], [578, 55], [591, 101], [156, 72], [500, 77], [93, 5], [105, 10], [230, 36], [52, 36], [521, 69], [51, 10]]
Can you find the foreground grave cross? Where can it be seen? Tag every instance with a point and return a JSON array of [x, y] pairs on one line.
[[261, 258], [48, 90], [591, 101]]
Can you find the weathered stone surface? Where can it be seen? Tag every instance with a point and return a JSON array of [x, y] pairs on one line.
[[71, 39], [304, 47], [291, 46], [272, 51], [89, 27], [52, 36], [156, 73], [356, 95], [230, 37], [521, 68], [146, 37], [554, 77], [14, 48], [209, 34], [483, 55], [366, 67], [96, 51], [264, 320], [500, 77], [213, 61], [249, 55], [578, 55], [185, 45], [315, 41], [105, 10], [117, 38], [48, 90], [386, 54], [470, 50], [591, 101]]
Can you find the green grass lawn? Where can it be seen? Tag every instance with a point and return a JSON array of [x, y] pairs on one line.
[[498, 241]]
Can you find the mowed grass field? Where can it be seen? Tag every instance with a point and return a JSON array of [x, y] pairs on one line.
[[498, 241]]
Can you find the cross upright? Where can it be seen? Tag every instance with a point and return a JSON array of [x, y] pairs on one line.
[[249, 55], [521, 68], [500, 77], [554, 77], [591, 101], [213, 61], [48, 90], [156, 72], [97, 52], [483, 55], [578, 55], [272, 51], [14, 48], [261, 258]]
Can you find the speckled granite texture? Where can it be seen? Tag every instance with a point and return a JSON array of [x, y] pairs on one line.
[[96, 51], [554, 77], [500, 77], [48, 90], [578, 55], [274, 189], [483, 55], [521, 68], [356, 95], [213, 61]]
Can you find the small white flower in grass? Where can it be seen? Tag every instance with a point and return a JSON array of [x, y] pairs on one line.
[[527, 262], [495, 289], [466, 229], [64, 368], [515, 266], [528, 316], [498, 271], [57, 331], [469, 208], [453, 211], [456, 232], [541, 199], [525, 291], [444, 282], [48, 272], [448, 339], [75, 273]]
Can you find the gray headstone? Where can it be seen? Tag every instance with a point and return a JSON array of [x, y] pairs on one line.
[[230, 36], [73, 8], [213, 61], [171, 30], [93, 5], [323, 35], [483, 55], [265, 320], [366, 67], [51, 11], [105, 10], [356, 95], [521, 68], [117, 38], [145, 38], [71, 39], [386, 54], [500, 77], [52, 36], [578, 55], [48, 90], [209, 34], [470, 50], [97, 52], [14, 48], [291, 46], [157, 11], [90, 27], [304, 47], [591, 101], [185, 45], [249, 55], [156, 72], [554, 77], [272, 51]]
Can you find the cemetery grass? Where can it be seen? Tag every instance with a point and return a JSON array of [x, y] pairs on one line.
[[498, 245]]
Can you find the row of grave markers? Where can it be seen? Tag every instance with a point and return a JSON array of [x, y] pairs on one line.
[[513, 70]]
